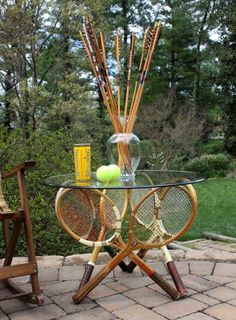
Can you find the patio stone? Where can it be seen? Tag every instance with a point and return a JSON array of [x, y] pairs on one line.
[[117, 286], [48, 273], [222, 311], [114, 302], [225, 269], [220, 279], [71, 273], [147, 297], [14, 305], [137, 283], [222, 293], [211, 287], [205, 299], [3, 316], [94, 314], [101, 291], [51, 311], [231, 285], [198, 316], [177, 309], [50, 261], [59, 287], [201, 268], [198, 283], [65, 302], [137, 312]]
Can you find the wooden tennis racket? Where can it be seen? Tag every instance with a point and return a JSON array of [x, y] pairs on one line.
[[79, 213], [165, 252], [118, 197], [146, 232], [79, 203]]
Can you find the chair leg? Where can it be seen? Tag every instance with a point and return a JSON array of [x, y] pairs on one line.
[[29, 238], [11, 247]]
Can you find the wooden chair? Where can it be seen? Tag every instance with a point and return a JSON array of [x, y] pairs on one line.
[[21, 220]]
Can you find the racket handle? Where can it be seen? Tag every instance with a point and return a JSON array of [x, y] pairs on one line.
[[112, 253], [87, 274], [131, 266], [176, 278], [165, 286]]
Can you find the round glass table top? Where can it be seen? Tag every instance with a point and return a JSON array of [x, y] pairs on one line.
[[143, 179]]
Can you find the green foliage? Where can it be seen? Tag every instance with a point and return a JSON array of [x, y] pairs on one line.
[[54, 155], [210, 165], [210, 147]]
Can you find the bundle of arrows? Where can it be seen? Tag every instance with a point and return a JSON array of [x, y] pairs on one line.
[[95, 50]]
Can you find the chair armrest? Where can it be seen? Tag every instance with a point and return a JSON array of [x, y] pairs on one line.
[[21, 166]]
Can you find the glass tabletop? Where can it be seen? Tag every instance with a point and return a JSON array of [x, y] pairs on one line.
[[143, 179]]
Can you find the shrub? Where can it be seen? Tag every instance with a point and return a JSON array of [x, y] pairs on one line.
[[210, 165], [211, 147]]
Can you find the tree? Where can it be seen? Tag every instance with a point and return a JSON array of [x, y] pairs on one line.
[[227, 77]]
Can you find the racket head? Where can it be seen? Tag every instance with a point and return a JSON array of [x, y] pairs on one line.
[[81, 214], [162, 216], [120, 197]]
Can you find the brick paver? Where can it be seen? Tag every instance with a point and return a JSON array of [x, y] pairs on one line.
[[65, 302], [225, 269], [198, 316], [3, 316], [137, 283], [222, 293], [201, 268], [49, 312], [211, 286], [147, 297], [115, 302], [205, 299], [222, 311], [101, 291], [177, 309], [48, 273], [198, 283], [137, 312], [94, 314]]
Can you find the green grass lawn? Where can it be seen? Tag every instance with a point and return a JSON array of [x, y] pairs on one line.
[[216, 208]]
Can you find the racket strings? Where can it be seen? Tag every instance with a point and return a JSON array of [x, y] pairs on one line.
[[176, 210], [86, 214], [76, 212], [161, 216], [118, 196]]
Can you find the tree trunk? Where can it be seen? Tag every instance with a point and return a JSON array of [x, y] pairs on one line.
[[8, 112], [196, 91]]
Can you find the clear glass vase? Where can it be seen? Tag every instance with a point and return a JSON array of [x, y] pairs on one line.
[[123, 149]]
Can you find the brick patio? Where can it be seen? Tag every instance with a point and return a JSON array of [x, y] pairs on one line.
[[211, 284]]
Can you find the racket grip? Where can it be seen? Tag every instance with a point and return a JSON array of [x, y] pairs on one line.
[[176, 278], [165, 286], [87, 274], [131, 266], [112, 253]]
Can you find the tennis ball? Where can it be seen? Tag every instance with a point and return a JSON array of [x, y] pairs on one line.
[[114, 171], [103, 174]]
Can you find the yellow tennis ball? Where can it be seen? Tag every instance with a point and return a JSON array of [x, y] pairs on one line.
[[114, 171], [103, 174]]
